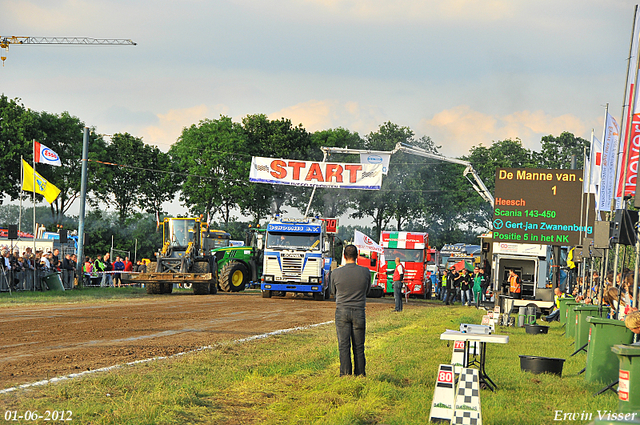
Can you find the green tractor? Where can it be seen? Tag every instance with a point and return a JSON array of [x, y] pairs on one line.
[[238, 265]]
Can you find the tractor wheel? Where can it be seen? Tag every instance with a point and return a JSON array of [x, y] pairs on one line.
[[167, 287], [200, 267], [154, 288], [151, 267], [266, 294], [201, 288], [233, 277], [213, 286]]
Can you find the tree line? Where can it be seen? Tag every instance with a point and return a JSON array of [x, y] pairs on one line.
[[208, 168]]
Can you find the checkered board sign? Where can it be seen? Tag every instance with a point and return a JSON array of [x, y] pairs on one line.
[[467, 407], [406, 240]]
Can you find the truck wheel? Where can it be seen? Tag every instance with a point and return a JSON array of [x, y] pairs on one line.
[[167, 287], [200, 288], [318, 296], [234, 277], [154, 288], [266, 294]]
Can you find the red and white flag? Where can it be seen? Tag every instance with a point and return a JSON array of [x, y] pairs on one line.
[[363, 241], [44, 155], [630, 143], [593, 168]]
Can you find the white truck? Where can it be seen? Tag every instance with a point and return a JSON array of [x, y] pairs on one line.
[[296, 258], [531, 263]]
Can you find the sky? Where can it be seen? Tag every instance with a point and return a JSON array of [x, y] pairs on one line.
[[463, 72]]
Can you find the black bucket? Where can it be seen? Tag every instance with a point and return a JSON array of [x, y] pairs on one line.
[[535, 364], [536, 329]]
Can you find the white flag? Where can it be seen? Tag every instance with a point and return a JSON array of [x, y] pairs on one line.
[[362, 241], [44, 155], [608, 165]]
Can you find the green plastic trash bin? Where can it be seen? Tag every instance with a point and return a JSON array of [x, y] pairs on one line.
[[602, 363], [570, 329], [563, 308], [53, 282], [629, 375], [582, 326]]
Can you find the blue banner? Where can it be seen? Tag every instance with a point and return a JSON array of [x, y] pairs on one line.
[[294, 228]]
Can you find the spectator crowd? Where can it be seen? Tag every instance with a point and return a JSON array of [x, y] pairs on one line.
[[25, 271]]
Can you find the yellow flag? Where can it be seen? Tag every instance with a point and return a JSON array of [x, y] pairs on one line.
[[43, 187]]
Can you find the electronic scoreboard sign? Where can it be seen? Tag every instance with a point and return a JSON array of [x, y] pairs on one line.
[[539, 206]]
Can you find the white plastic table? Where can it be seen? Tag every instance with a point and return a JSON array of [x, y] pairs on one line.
[[482, 339]]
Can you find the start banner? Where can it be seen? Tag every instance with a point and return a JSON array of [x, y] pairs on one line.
[[310, 173]]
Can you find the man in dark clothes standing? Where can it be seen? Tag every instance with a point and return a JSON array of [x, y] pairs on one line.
[[351, 283]]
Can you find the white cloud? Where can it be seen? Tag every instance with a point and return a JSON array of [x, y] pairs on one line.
[[317, 115], [417, 10], [171, 124], [459, 128]]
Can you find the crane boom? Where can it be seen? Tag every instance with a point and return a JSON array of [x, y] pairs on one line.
[[477, 183], [5, 41]]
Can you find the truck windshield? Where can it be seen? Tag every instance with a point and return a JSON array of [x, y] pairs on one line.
[[219, 243], [284, 240], [411, 255], [181, 232]]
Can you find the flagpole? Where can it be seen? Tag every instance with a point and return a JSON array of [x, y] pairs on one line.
[[582, 212], [21, 185], [625, 124], [626, 152], [35, 234]]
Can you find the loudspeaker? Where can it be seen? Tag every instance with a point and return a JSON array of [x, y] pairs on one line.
[[602, 234], [624, 227], [63, 235], [579, 253], [12, 231]]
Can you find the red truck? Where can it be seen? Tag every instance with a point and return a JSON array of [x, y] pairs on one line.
[[413, 250]]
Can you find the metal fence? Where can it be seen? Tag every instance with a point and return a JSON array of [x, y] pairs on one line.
[[26, 281]]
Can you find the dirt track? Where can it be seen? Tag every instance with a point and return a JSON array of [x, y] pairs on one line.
[[40, 342]]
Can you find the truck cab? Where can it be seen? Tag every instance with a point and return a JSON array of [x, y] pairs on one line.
[[296, 258], [531, 263], [412, 248]]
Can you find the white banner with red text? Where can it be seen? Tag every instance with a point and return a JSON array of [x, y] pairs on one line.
[[314, 173]]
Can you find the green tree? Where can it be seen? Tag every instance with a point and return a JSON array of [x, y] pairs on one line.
[[556, 152], [18, 128], [274, 139], [121, 185], [162, 184], [328, 202], [401, 195], [214, 155], [64, 135]]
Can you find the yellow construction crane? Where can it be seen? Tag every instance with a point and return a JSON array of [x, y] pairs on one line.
[[6, 41]]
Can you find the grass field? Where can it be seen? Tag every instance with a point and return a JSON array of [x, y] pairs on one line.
[[293, 379]]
